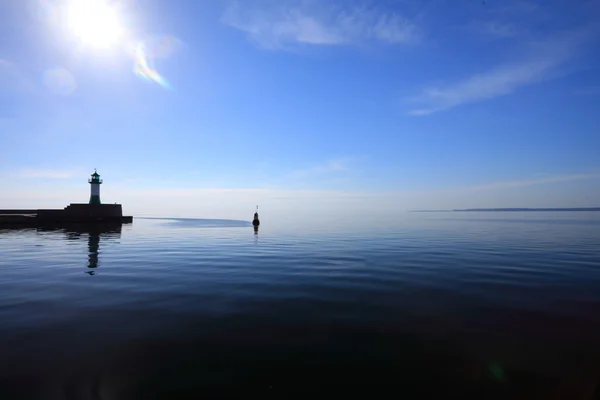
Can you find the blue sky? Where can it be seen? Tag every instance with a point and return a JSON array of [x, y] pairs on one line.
[[341, 105]]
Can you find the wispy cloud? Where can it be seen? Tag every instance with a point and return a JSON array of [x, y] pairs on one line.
[[328, 167], [495, 29], [277, 26], [542, 63], [536, 181], [497, 82]]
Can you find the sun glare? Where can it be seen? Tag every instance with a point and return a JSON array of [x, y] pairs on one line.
[[95, 23]]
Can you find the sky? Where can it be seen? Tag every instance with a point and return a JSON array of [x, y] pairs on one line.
[[304, 107]]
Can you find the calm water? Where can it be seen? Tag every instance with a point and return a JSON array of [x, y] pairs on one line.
[[474, 303]]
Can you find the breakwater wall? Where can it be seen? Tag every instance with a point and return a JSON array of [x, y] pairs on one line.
[[76, 212], [18, 212]]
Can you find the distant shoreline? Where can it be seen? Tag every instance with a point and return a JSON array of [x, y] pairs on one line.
[[513, 209]]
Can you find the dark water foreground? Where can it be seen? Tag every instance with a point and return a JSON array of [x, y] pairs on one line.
[[484, 306]]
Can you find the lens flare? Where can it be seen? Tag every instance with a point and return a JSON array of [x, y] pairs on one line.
[[99, 26], [143, 69]]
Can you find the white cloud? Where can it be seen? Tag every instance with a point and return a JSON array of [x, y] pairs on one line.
[[497, 82], [278, 26], [543, 62]]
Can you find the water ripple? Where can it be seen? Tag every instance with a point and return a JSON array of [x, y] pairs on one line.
[[181, 278]]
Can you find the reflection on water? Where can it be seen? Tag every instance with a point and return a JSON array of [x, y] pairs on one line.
[[108, 230], [93, 247], [201, 223], [180, 306]]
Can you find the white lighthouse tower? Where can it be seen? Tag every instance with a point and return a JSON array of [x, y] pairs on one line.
[[95, 183]]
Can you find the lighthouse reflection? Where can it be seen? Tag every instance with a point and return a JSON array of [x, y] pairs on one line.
[[93, 249], [95, 233]]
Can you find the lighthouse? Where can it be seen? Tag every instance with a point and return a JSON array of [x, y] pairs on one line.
[[95, 183]]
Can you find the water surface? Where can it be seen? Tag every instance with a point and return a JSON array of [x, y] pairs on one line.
[[163, 307]]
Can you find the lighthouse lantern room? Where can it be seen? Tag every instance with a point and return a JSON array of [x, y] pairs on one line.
[[95, 183]]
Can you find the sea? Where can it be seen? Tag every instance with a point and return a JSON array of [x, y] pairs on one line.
[[482, 304]]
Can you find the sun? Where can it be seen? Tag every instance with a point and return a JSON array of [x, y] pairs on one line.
[[95, 23]]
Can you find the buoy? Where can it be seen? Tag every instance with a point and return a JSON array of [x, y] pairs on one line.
[[256, 221]]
